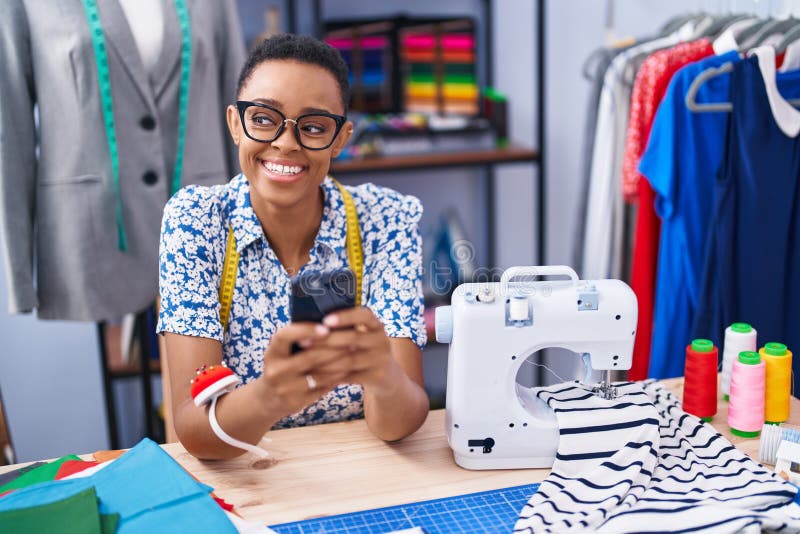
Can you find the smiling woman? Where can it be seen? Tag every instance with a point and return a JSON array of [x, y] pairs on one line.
[[286, 217]]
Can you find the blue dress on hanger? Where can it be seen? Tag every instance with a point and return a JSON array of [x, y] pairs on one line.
[[683, 154], [752, 270]]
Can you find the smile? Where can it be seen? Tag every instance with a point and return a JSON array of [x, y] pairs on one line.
[[285, 170], [282, 172]]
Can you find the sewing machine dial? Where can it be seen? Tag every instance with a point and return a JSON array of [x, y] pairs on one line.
[[486, 294]]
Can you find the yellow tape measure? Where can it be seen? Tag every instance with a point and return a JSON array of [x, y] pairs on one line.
[[355, 254], [355, 257], [229, 269]]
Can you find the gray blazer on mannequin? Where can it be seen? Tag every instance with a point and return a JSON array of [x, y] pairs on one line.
[[57, 210]]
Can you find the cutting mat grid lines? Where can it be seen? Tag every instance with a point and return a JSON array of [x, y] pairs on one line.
[[484, 512]]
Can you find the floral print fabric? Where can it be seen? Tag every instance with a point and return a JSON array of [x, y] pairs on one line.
[[192, 253]]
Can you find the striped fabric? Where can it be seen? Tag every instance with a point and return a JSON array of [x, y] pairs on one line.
[[641, 464]]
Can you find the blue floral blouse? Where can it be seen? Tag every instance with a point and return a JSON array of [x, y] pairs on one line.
[[193, 237]]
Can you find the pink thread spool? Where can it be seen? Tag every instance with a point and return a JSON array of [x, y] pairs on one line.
[[748, 386]]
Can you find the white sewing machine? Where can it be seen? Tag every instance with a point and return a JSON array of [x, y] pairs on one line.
[[492, 421]]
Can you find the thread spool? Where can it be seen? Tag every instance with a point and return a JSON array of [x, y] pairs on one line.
[[746, 409], [518, 309], [700, 379], [778, 360], [771, 437], [739, 337]]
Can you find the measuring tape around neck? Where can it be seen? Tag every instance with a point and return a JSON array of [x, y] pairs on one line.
[[229, 269], [355, 258], [355, 254], [104, 81]]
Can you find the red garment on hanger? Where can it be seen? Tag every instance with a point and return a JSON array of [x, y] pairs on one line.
[[651, 84]]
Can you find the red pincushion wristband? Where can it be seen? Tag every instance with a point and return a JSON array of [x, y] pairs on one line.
[[211, 383]]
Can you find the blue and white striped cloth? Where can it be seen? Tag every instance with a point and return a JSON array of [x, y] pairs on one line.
[[641, 464]]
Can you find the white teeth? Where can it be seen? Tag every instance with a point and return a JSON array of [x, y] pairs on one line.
[[282, 169]]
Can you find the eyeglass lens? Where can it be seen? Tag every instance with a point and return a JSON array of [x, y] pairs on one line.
[[263, 124]]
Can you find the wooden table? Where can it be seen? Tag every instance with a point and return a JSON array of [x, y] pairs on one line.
[[339, 468]]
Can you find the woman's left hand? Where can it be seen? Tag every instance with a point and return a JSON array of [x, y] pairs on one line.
[[368, 360]]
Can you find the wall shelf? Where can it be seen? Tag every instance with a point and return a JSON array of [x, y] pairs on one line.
[[449, 159]]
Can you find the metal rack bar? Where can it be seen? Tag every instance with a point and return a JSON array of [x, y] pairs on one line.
[[145, 355], [540, 189], [291, 16], [541, 111], [108, 388], [489, 193]]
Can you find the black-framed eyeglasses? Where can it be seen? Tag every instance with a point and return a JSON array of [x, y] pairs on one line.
[[314, 131]]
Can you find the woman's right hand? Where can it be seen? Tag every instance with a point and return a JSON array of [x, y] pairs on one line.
[[295, 380]]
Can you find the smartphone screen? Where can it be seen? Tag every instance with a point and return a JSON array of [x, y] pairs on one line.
[[316, 294]]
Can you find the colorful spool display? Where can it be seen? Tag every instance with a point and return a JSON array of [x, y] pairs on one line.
[[778, 360], [700, 379], [739, 337], [440, 69], [747, 385], [369, 67]]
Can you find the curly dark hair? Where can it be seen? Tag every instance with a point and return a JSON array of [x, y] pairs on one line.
[[301, 48]]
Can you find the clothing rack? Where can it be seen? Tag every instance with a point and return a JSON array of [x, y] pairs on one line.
[[649, 169]]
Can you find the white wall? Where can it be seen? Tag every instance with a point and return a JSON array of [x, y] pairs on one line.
[[50, 381], [514, 75]]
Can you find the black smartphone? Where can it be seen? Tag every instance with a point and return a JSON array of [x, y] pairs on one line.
[[315, 294]]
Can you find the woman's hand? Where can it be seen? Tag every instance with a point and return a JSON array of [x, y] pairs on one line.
[[292, 381], [365, 357], [395, 402]]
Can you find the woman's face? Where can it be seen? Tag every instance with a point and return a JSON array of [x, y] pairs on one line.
[[282, 172]]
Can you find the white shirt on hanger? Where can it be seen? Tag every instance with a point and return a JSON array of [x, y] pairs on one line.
[[146, 21], [602, 246]]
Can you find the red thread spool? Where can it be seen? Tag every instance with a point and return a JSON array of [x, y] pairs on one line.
[[700, 379]]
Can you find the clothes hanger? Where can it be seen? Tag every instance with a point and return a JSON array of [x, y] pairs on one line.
[[590, 61], [788, 38], [727, 41], [723, 23], [693, 28], [700, 79], [748, 33], [676, 22], [701, 26], [775, 27], [713, 72]]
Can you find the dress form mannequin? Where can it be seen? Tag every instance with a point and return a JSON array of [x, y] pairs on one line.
[[58, 233]]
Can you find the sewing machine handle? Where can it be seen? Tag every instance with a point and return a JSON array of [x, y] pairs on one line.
[[537, 270]]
